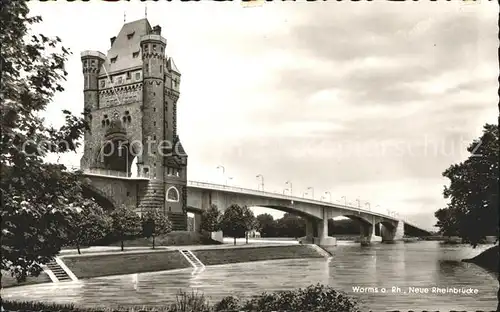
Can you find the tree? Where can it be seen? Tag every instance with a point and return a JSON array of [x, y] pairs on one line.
[[88, 225], [233, 222], [210, 219], [472, 212], [155, 223], [291, 226], [266, 225], [124, 223], [37, 197], [250, 222]]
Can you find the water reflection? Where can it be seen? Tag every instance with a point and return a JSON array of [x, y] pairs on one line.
[[395, 267]]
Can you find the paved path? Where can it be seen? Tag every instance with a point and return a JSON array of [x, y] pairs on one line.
[[228, 243]]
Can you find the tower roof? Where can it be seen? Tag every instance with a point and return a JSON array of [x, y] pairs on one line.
[[126, 43], [171, 66]]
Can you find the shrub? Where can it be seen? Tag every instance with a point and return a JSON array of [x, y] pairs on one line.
[[229, 303], [313, 298]]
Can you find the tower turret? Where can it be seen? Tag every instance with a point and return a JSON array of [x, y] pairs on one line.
[[153, 52], [91, 64]]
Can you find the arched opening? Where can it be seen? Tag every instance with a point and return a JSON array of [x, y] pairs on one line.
[[118, 155], [172, 194]]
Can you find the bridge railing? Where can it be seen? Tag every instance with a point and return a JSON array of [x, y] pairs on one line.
[[113, 173]]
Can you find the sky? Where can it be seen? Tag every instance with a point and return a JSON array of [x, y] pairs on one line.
[[367, 100]]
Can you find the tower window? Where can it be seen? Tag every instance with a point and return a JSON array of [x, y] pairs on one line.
[[135, 54], [154, 47], [129, 36], [128, 75], [103, 83], [93, 63], [154, 109], [161, 49], [154, 123], [120, 80], [128, 193], [161, 69], [137, 76], [113, 60]]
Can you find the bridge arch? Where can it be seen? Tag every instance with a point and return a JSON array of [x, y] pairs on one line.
[[91, 192], [118, 151]]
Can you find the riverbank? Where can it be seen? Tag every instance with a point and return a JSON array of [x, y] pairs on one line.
[[488, 259], [140, 261]]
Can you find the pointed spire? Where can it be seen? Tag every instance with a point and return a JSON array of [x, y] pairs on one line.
[[124, 17], [145, 10]]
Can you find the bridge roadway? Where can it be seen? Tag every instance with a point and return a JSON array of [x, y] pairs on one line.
[[201, 195]]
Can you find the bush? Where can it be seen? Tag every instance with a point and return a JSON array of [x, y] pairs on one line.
[[229, 303], [315, 298]]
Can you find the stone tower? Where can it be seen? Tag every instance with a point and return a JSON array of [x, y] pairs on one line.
[[131, 95]]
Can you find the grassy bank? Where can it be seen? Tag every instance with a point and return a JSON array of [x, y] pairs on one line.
[[9, 281], [248, 254], [488, 259], [86, 266]]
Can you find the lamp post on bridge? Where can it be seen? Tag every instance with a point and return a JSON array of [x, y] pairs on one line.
[[330, 194], [312, 191], [290, 184], [368, 204], [261, 180], [359, 202], [223, 171], [345, 200]]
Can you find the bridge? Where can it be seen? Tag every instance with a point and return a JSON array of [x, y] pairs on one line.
[[114, 188], [131, 96]]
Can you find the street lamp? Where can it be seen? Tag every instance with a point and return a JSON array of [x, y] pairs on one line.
[[126, 157], [312, 191], [322, 198], [330, 194], [345, 200], [368, 204], [359, 202], [223, 171], [261, 180], [290, 184]]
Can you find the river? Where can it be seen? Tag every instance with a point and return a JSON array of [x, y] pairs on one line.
[[423, 264]]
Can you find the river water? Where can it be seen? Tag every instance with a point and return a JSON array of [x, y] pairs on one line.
[[419, 264]]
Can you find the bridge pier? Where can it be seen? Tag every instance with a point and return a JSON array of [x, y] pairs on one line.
[[391, 234], [323, 238]]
